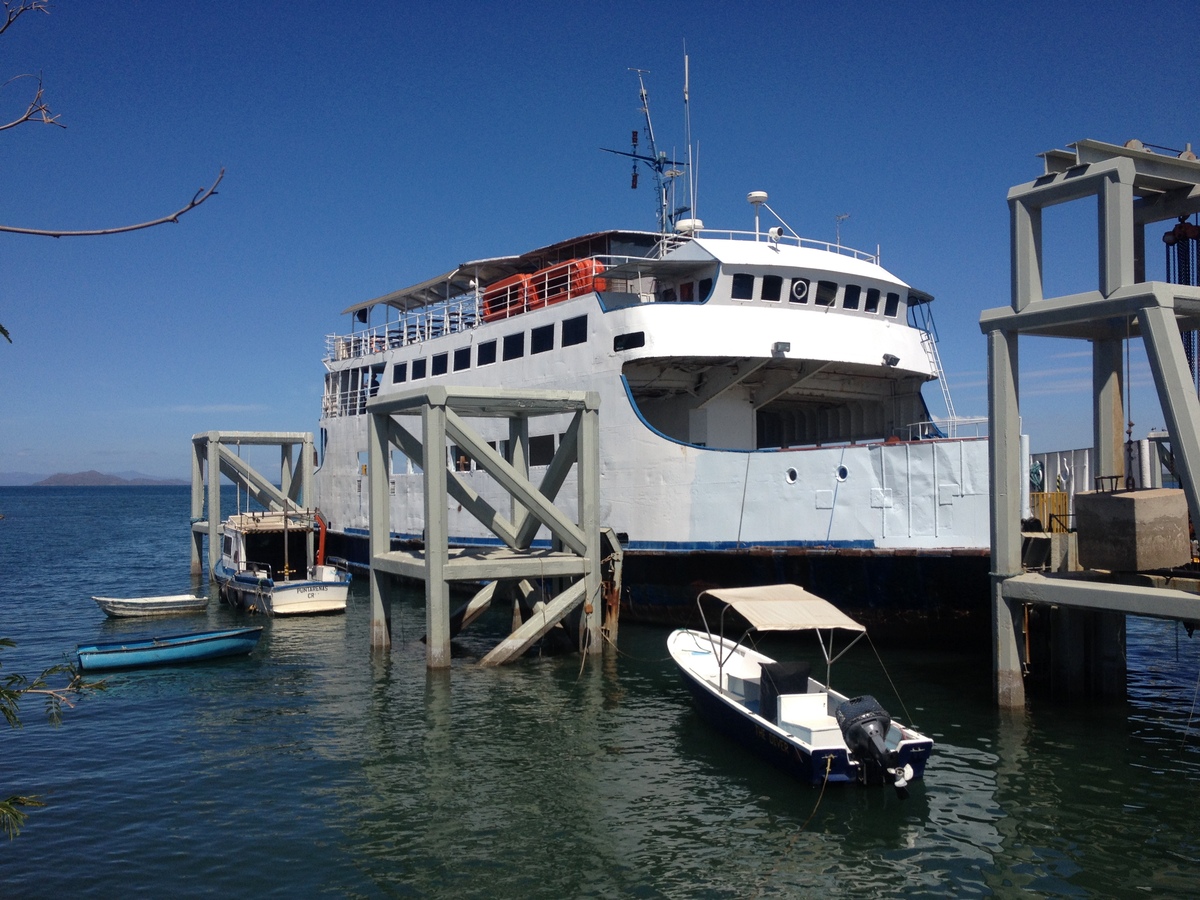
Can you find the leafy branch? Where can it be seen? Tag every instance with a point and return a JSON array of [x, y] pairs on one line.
[[13, 689]]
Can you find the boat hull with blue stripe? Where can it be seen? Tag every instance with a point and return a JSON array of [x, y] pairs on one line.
[[144, 652]]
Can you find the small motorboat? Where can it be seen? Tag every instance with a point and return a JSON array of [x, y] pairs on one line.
[[776, 708], [173, 604], [273, 562], [141, 652]]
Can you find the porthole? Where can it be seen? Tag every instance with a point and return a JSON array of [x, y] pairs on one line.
[[842, 473], [791, 475]]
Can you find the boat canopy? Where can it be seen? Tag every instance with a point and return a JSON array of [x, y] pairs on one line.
[[782, 607]]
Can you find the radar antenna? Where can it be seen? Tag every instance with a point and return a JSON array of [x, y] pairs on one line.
[[665, 170]]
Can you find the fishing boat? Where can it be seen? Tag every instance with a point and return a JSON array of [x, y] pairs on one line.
[[136, 653], [761, 406], [273, 562], [169, 605], [778, 709]]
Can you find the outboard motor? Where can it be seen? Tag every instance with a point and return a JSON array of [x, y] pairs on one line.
[[865, 725]]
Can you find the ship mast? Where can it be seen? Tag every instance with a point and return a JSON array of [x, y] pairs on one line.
[[665, 170]]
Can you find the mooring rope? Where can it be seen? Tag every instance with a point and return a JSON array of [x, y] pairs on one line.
[[1191, 714], [799, 831], [907, 717]]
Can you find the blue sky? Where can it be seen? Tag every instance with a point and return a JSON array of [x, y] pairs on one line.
[[368, 146]]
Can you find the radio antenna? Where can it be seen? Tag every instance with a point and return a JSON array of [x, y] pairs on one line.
[[665, 170], [687, 128]]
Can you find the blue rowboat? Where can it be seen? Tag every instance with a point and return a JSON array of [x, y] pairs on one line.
[[137, 653]]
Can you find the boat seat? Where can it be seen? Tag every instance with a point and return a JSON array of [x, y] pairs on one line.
[[745, 687], [807, 717]]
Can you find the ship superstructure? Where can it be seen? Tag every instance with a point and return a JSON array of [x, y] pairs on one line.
[[758, 390]]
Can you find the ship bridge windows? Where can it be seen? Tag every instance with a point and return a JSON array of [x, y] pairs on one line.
[[441, 363], [772, 288], [743, 286], [892, 305], [850, 296], [514, 345], [419, 368], [574, 331], [541, 339], [826, 293], [799, 291], [872, 303], [485, 355], [462, 359], [399, 372]]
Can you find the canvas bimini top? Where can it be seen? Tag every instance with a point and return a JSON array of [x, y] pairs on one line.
[[782, 607]]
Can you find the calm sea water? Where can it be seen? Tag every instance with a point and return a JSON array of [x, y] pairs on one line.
[[313, 767]]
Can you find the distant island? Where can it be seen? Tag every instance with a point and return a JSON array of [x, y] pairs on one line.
[[99, 479]]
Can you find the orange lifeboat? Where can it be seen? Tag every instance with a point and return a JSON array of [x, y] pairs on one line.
[[508, 297], [568, 279]]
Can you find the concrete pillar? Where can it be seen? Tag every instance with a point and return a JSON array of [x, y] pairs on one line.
[[437, 591], [214, 498], [197, 562], [379, 520], [1025, 237], [1004, 452], [1108, 417], [589, 514]]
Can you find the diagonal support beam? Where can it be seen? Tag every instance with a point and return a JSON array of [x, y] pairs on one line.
[[473, 608], [518, 486], [533, 629], [552, 481], [1180, 406], [235, 468], [470, 500]]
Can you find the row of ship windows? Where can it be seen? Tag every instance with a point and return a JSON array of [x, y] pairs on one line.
[[511, 346], [770, 288]]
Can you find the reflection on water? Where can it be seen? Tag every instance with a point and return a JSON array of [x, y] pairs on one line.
[[314, 766]]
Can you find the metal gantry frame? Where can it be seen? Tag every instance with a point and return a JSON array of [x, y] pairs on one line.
[[212, 455], [575, 555], [1133, 187]]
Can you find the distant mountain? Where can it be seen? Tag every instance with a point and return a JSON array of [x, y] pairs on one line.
[[99, 479]]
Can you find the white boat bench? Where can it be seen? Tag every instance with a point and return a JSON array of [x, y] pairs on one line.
[[806, 716]]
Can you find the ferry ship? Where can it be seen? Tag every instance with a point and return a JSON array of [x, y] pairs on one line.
[[761, 415]]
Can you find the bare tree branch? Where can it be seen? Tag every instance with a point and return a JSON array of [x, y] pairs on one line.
[[201, 195], [37, 109], [12, 11]]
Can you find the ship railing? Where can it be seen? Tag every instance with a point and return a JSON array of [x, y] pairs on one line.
[[934, 427], [351, 402], [791, 240], [410, 327]]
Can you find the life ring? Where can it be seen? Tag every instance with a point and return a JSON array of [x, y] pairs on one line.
[[799, 289]]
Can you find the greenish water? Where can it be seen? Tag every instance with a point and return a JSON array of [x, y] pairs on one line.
[[313, 767]]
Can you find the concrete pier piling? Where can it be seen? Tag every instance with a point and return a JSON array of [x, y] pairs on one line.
[[1132, 187]]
